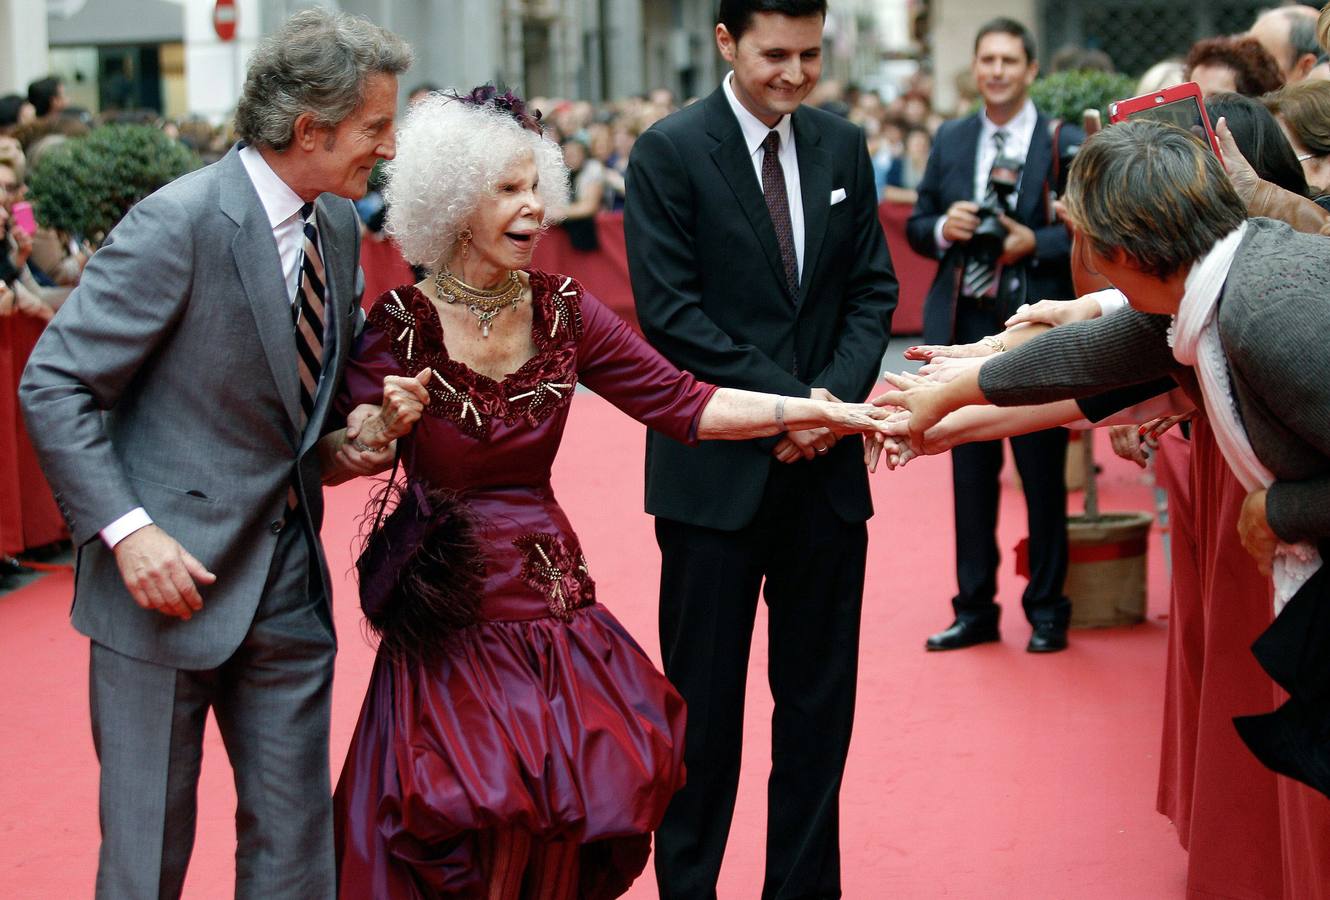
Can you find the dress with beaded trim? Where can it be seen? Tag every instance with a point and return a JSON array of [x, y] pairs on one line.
[[545, 715]]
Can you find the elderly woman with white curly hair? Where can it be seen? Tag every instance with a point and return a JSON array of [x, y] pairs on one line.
[[515, 740]]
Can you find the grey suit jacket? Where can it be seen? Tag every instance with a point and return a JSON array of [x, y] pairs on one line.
[[168, 380], [1274, 319]]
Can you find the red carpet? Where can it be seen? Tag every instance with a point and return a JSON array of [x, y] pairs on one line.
[[984, 773]]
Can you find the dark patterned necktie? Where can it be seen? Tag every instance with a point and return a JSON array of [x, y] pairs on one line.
[[981, 279], [778, 205], [310, 296]]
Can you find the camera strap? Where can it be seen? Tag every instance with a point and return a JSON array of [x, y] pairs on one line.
[[1055, 180]]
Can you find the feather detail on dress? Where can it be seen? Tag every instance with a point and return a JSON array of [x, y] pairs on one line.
[[421, 571]]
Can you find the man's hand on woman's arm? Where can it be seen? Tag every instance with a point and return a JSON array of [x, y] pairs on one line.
[[367, 445]]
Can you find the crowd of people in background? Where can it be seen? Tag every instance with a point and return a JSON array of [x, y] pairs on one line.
[[1270, 84], [1277, 61], [1278, 64]]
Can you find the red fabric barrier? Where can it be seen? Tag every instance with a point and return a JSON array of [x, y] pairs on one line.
[[914, 272], [604, 272], [28, 514], [11, 496], [383, 266]]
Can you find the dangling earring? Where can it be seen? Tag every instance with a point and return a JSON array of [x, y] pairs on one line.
[[465, 238]]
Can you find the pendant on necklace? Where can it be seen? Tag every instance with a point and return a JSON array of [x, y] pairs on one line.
[[484, 317]]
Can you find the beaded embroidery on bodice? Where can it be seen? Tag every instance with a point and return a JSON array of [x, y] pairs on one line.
[[468, 399]]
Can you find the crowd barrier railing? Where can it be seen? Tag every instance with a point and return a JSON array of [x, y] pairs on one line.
[[28, 514]]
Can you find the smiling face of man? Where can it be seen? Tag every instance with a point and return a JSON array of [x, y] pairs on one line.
[[341, 158], [1003, 71], [777, 62]]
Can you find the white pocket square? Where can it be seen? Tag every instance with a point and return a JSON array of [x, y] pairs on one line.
[[837, 196]]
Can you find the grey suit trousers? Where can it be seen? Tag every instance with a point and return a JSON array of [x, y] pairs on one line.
[[272, 700]]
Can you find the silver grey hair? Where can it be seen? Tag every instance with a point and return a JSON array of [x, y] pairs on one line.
[[316, 63], [451, 156]]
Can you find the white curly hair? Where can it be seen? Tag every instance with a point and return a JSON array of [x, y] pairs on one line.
[[450, 157]]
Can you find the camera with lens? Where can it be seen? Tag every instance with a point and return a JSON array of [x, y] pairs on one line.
[[986, 244]]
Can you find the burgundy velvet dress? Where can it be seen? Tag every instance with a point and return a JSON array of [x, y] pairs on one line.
[[546, 715]]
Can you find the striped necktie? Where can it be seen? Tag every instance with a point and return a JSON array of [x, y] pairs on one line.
[[981, 279], [308, 312]]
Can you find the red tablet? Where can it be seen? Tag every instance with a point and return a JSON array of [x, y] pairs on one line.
[[1181, 105]]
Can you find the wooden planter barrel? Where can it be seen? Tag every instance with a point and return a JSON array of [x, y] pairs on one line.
[[1106, 568], [1106, 575]]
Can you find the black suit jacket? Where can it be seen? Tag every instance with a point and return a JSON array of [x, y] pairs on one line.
[[949, 177], [711, 296]]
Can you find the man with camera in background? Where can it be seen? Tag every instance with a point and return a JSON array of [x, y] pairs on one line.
[[985, 209]]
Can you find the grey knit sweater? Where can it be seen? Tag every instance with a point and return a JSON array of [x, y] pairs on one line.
[[1274, 325]]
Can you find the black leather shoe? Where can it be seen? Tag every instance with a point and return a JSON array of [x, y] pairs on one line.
[[1047, 637], [963, 634]]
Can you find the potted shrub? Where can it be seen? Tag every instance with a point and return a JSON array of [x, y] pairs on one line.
[[1106, 573], [86, 185], [1067, 95]]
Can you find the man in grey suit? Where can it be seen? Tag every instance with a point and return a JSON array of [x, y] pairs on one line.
[[178, 402]]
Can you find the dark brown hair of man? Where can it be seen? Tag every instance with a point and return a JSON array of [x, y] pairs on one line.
[[737, 15], [1153, 191]]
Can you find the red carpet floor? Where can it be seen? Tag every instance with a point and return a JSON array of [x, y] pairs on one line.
[[984, 773]]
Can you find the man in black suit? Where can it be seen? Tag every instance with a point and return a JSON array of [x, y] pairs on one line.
[[758, 262], [971, 298]]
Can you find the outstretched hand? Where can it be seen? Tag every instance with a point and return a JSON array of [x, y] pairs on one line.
[[1055, 312], [1240, 172], [895, 450], [926, 352], [855, 418], [941, 369], [921, 398]]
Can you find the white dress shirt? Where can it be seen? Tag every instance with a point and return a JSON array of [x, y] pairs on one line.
[[1020, 132], [755, 132], [282, 206]]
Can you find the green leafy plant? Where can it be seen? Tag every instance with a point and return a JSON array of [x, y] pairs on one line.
[[1067, 94], [86, 185]]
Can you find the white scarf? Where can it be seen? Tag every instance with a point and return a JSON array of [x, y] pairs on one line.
[[1195, 341]]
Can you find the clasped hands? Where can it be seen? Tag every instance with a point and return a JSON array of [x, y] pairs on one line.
[[368, 443], [809, 443], [816, 423], [162, 576]]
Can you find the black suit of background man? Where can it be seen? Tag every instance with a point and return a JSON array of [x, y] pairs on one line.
[[712, 295], [1004, 68]]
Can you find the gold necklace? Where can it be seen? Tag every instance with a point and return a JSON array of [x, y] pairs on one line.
[[486, 304]]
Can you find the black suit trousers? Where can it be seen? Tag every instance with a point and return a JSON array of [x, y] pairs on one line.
[[813, 565], [1041, 460]]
